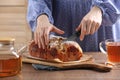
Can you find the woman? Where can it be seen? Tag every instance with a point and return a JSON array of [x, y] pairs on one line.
[[93, 17]]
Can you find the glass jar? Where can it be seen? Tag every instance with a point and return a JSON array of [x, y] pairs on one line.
[[10, 61]]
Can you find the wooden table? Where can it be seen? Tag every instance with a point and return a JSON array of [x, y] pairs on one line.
[[29, 73]]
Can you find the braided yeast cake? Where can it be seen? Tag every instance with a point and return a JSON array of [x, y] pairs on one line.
[[57, 48]]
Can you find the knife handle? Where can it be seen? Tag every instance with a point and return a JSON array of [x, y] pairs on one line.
[[78, 33]]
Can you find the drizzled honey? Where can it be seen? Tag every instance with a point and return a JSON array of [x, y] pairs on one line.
[[10, 61]]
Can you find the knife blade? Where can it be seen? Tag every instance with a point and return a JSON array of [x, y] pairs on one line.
[[73, 36]]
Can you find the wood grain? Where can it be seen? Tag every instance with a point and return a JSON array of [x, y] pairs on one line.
[[10, 9], [13, 20], [12, 2]]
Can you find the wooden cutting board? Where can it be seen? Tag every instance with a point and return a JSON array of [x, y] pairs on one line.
[[86, 62]]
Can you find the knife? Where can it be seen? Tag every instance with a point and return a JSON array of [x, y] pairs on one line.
[[73, 36]]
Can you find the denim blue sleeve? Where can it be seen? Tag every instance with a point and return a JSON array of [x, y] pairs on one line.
[[110, 10], [36, 8]]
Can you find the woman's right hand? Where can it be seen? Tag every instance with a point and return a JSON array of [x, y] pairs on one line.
[[44, 27]]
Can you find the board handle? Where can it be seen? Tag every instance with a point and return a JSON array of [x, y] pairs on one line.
[[93, 66]]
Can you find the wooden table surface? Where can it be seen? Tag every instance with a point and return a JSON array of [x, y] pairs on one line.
[[29, 73]]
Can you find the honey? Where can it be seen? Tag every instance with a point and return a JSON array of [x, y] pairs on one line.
[[9, 65], [10, 61]]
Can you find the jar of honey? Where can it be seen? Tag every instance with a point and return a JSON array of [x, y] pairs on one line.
[[10, 61]]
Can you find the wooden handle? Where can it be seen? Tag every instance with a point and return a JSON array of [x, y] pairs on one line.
[[93, 66], [101, 67]]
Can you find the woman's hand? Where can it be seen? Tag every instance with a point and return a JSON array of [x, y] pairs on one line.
[[91, 22], [44, 27]]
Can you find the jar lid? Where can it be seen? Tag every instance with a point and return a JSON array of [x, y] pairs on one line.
[[7, 40]]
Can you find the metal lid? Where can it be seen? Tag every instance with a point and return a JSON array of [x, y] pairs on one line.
[[7, 41]]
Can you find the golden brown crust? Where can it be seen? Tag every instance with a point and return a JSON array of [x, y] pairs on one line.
[[57, 48]]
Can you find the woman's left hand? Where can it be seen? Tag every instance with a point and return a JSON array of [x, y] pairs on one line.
[[91, 22]]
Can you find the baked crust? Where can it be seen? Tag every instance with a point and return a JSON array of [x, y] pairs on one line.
[[57, 48]]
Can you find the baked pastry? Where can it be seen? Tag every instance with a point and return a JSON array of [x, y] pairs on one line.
[[57, 49]]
